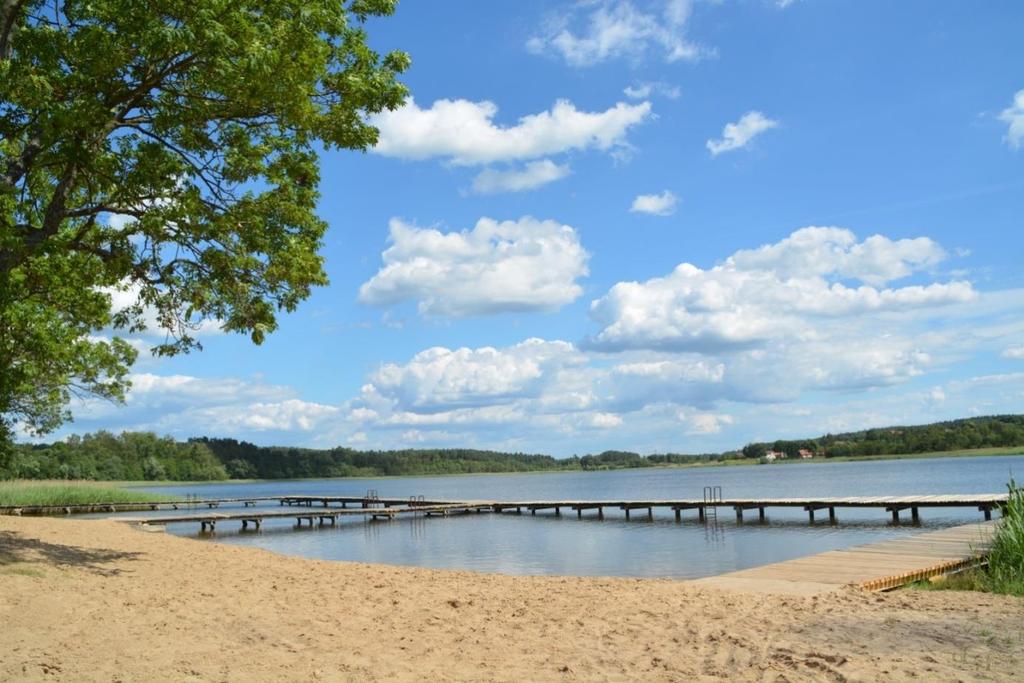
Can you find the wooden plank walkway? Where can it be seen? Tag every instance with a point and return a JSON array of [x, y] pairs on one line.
[[893, 505], [209, 520], [303, 500], [876, 566], [985, 503], [130, 507]]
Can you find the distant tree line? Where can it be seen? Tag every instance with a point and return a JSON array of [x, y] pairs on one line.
[[244, 460], [130, 456], [954, 435], [144, 456]]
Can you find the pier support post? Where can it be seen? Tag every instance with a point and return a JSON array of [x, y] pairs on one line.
[[988, 512], [914, 516], [810, 513], [760, 514], [579, 513], [701, 514], [558, 511], [533, 511], [679, 515], [627, 512], [895, 515], [739, 513], [600, 513], [832, 515], [650, 513]]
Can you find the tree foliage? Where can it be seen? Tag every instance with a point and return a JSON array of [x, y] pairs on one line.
[[965, 434], [139, 456], [245, 460], [167, 150]]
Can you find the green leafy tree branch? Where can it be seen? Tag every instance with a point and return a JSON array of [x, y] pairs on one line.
[[168, 149]]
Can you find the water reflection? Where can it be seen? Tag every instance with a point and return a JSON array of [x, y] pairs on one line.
[[547, 543]]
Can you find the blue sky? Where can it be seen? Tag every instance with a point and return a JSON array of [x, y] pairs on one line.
[[656, 226]]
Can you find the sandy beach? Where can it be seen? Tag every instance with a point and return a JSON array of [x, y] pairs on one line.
[[86, 600]]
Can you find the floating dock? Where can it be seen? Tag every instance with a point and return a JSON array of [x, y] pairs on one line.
[[876, 566]]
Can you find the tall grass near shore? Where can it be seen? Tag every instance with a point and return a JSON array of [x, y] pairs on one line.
[[1004, 571], [1006, 555], [59, 493]]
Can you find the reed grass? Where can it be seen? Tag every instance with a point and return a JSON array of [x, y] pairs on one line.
[[21, 493], [1006, 556], [1004, 572]]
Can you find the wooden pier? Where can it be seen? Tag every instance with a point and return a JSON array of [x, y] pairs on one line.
[[893, 505], [361, 501], [131, 507], [876, 566], [210, 503], [208, 520]]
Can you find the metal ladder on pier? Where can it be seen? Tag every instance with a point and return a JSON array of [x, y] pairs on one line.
[[712, 499], [714, 532]]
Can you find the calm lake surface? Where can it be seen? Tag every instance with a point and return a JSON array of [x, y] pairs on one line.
[[546, 544]]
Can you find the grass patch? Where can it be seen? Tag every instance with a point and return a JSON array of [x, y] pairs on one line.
[[967, 580], [1004, 572], [21, 493], [23, 570]]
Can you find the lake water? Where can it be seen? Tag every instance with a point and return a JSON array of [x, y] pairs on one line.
[[546, 544]]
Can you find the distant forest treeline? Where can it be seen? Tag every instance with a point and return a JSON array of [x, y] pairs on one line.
[[955, 435], [138, 456]]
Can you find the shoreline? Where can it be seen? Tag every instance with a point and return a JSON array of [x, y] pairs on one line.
[[96, 600]]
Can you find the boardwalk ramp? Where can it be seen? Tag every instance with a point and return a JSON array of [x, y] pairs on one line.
[[875, 566]]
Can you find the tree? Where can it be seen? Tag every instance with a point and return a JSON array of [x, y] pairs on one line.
[[166, 153]]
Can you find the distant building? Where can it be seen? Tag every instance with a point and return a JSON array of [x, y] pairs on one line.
[[805, 454], [774, 455]]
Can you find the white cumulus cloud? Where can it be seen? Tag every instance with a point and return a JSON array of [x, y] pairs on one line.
[[663, 204], [614, 29], [524, 265], [830, 250], [465, 133], [737, 135], [706, 423], [441, 377], [185, 405], [1014, 352], [1013, 116], [529, 177], [780, 291], [641, 91]]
